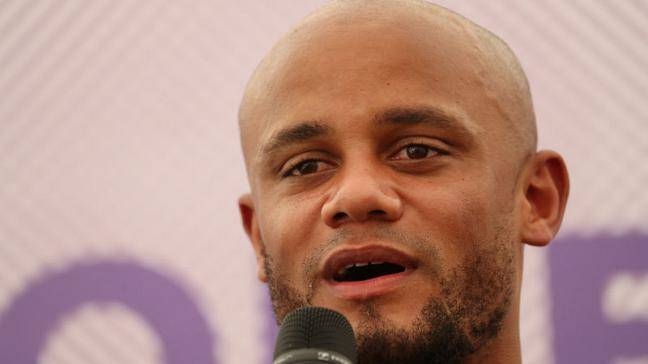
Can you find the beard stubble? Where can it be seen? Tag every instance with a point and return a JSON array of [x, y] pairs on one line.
[[476, 297]]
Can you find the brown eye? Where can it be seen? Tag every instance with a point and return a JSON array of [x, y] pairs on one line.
[[414, 152], [306, 167], [417, 151]]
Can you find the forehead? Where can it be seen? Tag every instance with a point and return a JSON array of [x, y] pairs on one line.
[[355, 55], [356, 69]]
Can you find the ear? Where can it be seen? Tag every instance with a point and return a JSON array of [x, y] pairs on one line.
[[251, 226], [546, 190]]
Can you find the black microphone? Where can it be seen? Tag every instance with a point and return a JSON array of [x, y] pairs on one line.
[[312, 335]]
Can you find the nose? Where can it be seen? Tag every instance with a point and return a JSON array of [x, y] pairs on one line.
[[360, 196]]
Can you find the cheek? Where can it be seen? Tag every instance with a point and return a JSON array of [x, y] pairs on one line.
[[285, 230], [457, 218]]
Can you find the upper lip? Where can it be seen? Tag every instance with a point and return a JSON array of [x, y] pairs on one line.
[[346, 256]]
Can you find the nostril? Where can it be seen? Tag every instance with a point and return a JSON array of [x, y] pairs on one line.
[[377, 213], [339, 216]]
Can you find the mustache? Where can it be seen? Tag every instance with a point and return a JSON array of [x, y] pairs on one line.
[[421, 245]]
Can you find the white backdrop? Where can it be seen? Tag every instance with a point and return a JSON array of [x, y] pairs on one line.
[[118, 141]]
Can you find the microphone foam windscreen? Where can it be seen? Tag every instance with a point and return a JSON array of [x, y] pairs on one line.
[[316, 327]]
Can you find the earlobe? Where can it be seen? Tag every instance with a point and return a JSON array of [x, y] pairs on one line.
[[546, 191], [251, 226]]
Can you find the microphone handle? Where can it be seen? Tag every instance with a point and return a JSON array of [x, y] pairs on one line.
[[311, 356]]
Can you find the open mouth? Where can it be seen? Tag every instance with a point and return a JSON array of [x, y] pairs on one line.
[[367, 270], [362, 272], [358, 264]]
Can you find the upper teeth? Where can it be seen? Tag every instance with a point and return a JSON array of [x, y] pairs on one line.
[[361, 264]]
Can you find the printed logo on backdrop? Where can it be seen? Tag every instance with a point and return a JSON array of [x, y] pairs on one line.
[[161, 301], [599, 289]]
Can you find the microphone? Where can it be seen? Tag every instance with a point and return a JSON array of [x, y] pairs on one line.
[[312, 335]]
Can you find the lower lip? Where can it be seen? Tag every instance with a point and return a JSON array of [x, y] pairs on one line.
[[370, 288]]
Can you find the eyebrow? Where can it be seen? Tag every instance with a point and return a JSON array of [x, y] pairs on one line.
[[420, 115], [298, 133], [431, 116], [394, 116]]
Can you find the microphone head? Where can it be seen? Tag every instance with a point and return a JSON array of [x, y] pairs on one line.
[[316, 328]]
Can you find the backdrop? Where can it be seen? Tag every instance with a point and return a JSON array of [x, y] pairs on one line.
[[120, 167]]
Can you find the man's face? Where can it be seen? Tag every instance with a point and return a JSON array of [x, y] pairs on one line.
[[382, 185]]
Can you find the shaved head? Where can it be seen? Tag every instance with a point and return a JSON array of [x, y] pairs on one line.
[[495, 67], [390, 148]]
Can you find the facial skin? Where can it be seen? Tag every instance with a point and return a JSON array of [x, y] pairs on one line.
[[400, 132]]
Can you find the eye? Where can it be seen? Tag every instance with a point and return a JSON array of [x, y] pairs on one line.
[[308, 166], [416, 151]]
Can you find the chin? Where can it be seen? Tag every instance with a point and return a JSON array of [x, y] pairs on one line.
[[380, 312]]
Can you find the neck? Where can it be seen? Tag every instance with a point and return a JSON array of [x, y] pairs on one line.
[[498, 352], [505, 348]]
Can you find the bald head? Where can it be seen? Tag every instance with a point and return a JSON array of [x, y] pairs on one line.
[[389, 129], [361, 31]]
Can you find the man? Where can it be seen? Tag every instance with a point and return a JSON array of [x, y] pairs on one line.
[[391, 153]]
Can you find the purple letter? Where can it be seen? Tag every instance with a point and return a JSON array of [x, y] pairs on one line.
[[580, 269], [160, 301]]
